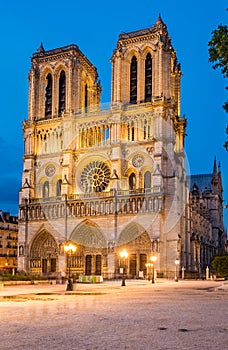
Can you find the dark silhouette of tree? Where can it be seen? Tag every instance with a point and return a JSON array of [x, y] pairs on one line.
[[218, 54]]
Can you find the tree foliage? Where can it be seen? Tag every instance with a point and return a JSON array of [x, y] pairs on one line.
[[218, 54], [220, 265]]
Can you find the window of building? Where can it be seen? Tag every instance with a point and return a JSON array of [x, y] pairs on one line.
[[131, 131], [48, 96], [58, 188], [46, 189], [146, 130], [132, 181], [62, 92], [133, 80], [147, 179], [148, 78], [86, 95]]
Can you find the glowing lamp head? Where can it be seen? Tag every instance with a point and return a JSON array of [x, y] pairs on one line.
[[153, 258], [70, 248], [177, 261], [124, 254]]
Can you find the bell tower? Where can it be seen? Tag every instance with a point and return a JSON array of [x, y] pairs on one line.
[[144, 66], [61, 81]]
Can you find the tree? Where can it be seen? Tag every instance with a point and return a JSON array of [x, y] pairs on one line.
[[220, 265], [218, 54]]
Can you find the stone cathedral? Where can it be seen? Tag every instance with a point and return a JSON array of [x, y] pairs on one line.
[[105, 179]]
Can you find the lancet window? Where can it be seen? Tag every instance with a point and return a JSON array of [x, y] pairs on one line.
[[86, 96], [133, 80], [58, 188], [46, 189], [132, 181], [148, 78], [48, 96], [146, 130], [131, 131], [62, 92], [147, 179]]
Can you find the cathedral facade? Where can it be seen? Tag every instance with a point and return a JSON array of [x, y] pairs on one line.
[[105, 179]]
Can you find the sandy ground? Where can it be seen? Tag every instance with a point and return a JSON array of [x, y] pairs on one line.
[[166, 315]]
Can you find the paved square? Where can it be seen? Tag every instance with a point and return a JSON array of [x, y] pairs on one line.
[[167, 315]]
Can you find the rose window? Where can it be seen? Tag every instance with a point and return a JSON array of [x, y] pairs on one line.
[[95, 177]]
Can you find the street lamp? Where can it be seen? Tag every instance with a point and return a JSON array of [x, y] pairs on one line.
[[69, 249], [148, 266], [124, 256], [177, 262], [153, 258]]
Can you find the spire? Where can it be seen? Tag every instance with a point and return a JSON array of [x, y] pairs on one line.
[[159, 20], [41, 48], [219, 168], [215, 167]]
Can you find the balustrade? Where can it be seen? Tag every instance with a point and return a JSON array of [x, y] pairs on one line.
[[94, 204]]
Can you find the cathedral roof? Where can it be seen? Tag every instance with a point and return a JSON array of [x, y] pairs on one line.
[[202, 181]]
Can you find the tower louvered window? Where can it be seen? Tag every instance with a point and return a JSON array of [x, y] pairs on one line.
[[48, 96], [133, 80], [62, 92], [86, 96], [148, 78]]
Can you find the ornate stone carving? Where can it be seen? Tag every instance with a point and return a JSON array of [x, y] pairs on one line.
[[50, 170], [138, 161], [95, 177]]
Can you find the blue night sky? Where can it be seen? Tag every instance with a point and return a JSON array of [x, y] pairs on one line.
[[95, 27]]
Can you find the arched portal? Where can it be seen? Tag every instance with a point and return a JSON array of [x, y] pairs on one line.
[[135, 239], [92, 248], [44, 254]]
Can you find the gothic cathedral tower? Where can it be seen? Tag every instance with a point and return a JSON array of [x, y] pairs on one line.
[[104, 179]]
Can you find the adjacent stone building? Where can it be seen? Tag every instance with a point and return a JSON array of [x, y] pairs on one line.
[[105, 179], [8, 242], [207, 233]]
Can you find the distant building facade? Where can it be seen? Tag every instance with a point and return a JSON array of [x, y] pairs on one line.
[[109, 179], [207, 233], [8, 242]]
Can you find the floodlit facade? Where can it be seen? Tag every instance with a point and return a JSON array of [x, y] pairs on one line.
[[8, 242], [105, 179]]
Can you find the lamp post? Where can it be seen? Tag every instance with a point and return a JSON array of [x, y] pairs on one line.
[[124, 256], [69, 249], [177, 262], [153, 258], [148, 266]]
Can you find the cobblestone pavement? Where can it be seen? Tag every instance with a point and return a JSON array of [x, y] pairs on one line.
[[166, 315]]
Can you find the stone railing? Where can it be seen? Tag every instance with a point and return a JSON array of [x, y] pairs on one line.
[[93, 204]]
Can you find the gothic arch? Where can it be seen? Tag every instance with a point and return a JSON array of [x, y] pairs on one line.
[[44, 253], [59, 67], [89, 235], [133, 52], [146, 50], [43, 244], [131, 233]]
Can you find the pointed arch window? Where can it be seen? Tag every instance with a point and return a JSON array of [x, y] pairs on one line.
[[86, 96], [58, 188], [146, 130], [46, 189], [147, 180], [148, 78], [48, 96], [131, 131], [62, 92], [132, 182], [133, 80]]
